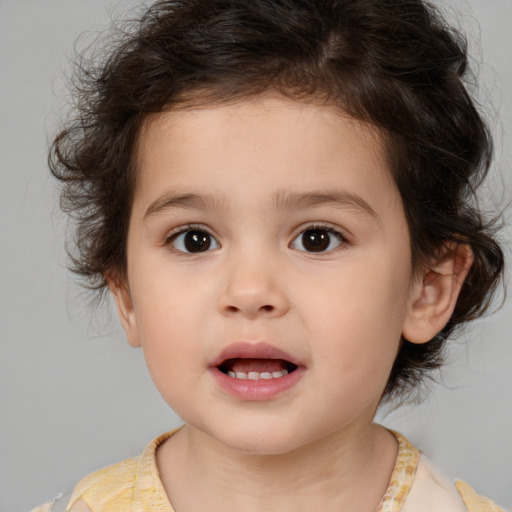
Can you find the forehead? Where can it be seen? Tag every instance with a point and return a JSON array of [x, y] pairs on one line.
[[269, 146]]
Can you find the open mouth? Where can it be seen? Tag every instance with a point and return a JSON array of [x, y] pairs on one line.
[[256, 369]]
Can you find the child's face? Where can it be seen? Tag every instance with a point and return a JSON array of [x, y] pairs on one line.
[[268, 223]]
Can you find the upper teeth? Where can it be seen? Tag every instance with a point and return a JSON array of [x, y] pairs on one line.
[[257, 375]]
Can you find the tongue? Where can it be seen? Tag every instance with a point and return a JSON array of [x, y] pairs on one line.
[[256, 365]]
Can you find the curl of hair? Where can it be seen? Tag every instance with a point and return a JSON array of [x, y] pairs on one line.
[[395, 64]]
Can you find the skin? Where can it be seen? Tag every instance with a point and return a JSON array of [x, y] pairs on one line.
[[341, 313]]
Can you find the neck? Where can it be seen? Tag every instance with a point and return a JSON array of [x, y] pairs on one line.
[[349, 470]]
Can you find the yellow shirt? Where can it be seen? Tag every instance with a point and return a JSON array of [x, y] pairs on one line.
[[134, 485]]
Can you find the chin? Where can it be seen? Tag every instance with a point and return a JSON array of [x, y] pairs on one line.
[[261, 440], [261, 446]]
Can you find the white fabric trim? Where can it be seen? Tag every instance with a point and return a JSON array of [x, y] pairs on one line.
[[432, 491]]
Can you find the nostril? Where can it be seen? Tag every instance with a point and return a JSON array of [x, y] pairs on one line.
[[267, 308]]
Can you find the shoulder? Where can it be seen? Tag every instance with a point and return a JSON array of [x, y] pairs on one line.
[[432, 490], [113, 482], [474, 502], [60, 503], [133, 482]]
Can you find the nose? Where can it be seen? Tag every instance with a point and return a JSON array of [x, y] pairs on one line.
[[252, 290]]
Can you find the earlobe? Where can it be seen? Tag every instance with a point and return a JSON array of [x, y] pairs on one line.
[[436, 292], [120, 290]]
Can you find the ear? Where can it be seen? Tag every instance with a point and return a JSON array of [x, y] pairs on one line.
[[435, 293], [120, 290]]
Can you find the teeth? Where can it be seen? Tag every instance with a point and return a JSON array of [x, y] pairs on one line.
[[257, 375]]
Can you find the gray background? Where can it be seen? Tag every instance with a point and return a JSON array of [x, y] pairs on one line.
[[73, 395]]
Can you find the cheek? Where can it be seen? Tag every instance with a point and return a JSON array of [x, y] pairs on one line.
[[167, 321], [357, 319], [167, 296]]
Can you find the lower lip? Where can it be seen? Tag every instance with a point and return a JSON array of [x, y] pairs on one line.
[[262, 389]]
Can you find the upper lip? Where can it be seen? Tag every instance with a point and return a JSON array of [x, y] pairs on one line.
[[248, 350]]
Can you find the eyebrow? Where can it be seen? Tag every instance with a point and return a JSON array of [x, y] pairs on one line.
[[282, 200], [190, 201], [336, 198]]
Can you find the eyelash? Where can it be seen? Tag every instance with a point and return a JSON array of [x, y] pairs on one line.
[[170, 239], [327, 228]]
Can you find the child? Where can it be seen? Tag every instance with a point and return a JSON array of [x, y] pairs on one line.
[[280, 196]]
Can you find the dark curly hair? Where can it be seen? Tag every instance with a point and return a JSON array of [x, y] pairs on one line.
[[395, 64]]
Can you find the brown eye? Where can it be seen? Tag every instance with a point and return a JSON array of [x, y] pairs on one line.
[[194, 241], [317, 240]]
